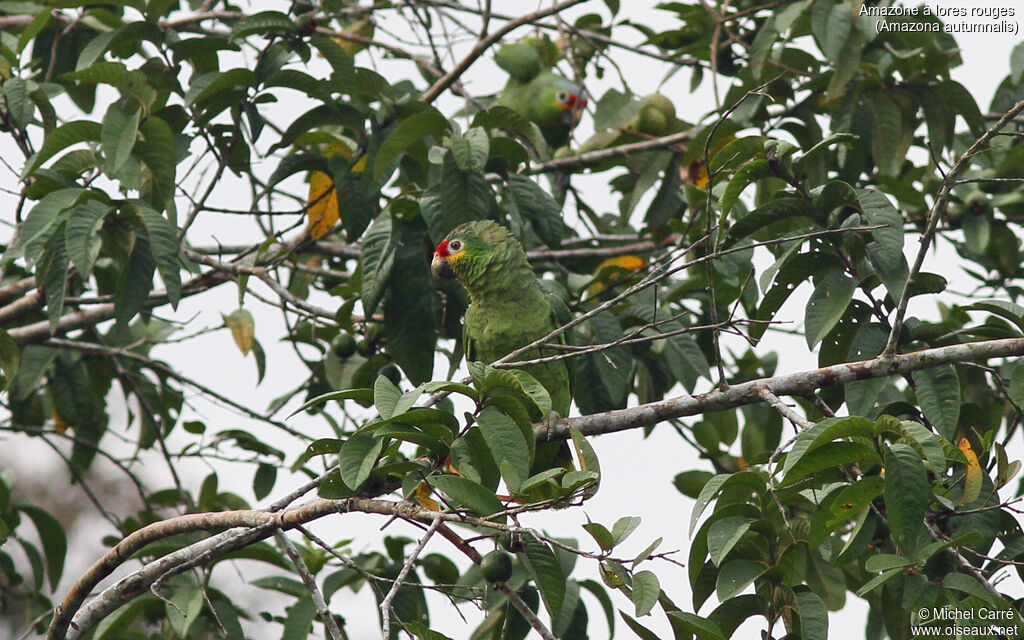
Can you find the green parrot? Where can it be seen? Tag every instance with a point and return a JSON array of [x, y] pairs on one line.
[[508, 306], [539, 94]]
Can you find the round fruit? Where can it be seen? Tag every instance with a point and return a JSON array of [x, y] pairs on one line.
[[391, 372], [651, 121], [364, 348], [662, 104], [343, 345], [496, 566]]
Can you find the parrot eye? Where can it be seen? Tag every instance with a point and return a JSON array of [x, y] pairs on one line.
[[563, 97], [455, 245]]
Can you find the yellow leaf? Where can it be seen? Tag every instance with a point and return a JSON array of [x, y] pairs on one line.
[[323, 204], [62, 426], [243, 329], [973, 475], [422, 495], [613, 270]]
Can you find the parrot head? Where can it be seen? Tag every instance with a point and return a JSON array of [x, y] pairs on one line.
[[570, 100], [468, 249], [558, 101]]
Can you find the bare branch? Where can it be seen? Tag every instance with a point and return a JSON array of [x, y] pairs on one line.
[[800, 383], [310, 583]]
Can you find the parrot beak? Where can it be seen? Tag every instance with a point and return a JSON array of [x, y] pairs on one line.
[[440, 268]]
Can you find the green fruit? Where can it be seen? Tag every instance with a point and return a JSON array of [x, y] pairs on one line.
[[391, 372], [343, 345], [364, 348], [651, 121], [662, 104], [496, 566]]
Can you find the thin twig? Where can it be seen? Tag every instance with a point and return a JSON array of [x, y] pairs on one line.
[[310, 583], [935, 214], [385, 604]]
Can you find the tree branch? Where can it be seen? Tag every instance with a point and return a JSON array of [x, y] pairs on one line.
[[482, 45], [794, 384]]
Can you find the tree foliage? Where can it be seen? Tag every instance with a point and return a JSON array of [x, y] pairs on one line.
[[829, 151]]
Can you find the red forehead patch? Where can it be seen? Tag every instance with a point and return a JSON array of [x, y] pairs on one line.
[[442, 249]]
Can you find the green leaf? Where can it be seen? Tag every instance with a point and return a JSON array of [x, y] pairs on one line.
[[886, 132], [61, 138], [761, 48], [907, 493], [831, 25], [938, 393], [970, 585], [429, 122], [743, 178], [357, 457], [646, 590], [264, 480], [718, 483], [501, 117], [702, 628], [854, 498], [813, 616], [385, 396], [828, 456], [588, 460], [640, 630], [546, 572], [184, 608], [409, 306], [55, 281], [55, 544], [886, 561], [623, 527], [461, 196], [120, 130], [15, 92], [823, 432], [378, 256], [163, 242], [471, 150], [469, 494], [81, 235], [507, 443], [885, 251], [158, 150], [209, 85], [10, 359], [736, 153], [827, 304], [134, 82], [735, 575], [534, 205], [298, 622], [601, 535], [1017, 63], [1002, 308], [724, 534], [534, 395], [39, 225], [359, 395]]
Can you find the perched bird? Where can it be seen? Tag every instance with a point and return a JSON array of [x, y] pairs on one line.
[[541, 95], [508, 306]]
